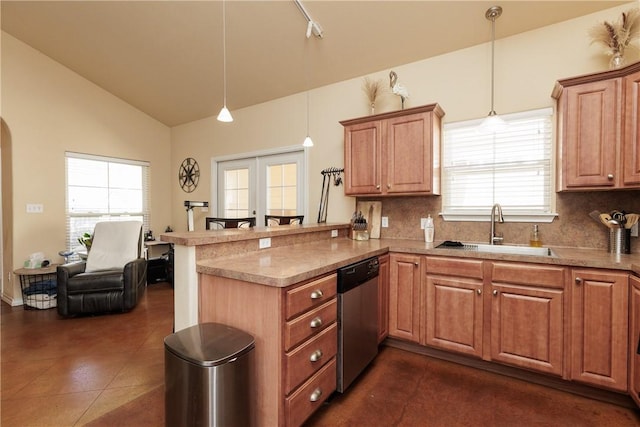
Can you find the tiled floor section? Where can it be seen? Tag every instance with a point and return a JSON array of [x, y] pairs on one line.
[[108, 371], [71, 372]]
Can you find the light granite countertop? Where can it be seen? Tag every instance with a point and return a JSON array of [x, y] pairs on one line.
[[285, 266]]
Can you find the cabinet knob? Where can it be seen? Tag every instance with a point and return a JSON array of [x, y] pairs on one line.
[[317, 294], [479, 291], [388, 186], [378, 187], [316, 322], [316, 395], [610, 177], [578, 280], [495, 292], [316, 355], [416, 264]]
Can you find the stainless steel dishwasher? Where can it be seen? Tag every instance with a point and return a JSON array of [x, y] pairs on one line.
[[357, 319]]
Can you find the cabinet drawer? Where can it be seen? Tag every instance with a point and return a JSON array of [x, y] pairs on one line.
[[302, 298], [308, 398], [309, 324], [454, 267], [528, 274], [306, 359]]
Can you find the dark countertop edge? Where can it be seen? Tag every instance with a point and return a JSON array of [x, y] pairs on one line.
[[568, 257], [207, 237]]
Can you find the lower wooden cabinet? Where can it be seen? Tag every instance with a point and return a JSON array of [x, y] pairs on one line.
[[634, 339], [404, 297], [454, 305], [383, 298], [527, 316], [599, 333]]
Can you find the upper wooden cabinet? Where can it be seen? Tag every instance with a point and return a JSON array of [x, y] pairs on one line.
[[598, 130], [395, 153]]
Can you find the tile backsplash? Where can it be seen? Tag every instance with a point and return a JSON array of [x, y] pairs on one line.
[[571, 228]]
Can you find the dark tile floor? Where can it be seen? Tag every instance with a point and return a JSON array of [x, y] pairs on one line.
[[109, 371]]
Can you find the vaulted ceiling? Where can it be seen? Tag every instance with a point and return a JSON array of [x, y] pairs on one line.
[[165, 57]]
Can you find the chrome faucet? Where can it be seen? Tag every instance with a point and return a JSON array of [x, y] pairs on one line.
[[494, 239]]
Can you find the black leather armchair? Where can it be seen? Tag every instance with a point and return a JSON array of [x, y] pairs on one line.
[[104, 291]]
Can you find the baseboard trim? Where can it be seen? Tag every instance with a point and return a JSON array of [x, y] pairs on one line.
[[612, 397]]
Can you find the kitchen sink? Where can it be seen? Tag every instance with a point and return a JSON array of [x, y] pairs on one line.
[[497, 249]]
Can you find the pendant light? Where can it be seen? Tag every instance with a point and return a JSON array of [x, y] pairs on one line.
[[493, 122], [307, 141], [225, 114]]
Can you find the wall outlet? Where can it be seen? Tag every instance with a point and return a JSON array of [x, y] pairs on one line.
[[265, 243], [334, 233], [385, 221], [423, 223], [35, 208]]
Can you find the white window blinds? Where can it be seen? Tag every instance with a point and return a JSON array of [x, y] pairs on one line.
[[104, 189], [512, 167]]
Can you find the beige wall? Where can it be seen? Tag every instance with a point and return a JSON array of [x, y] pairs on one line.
[[48, 110], [527, 66]]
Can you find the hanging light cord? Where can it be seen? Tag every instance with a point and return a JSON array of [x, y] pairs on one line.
[[224, 52], [493, 42], [492, 14]]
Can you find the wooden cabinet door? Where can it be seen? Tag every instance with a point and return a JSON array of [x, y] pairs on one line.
[[454, 314], [599, 331], [527, 327], [362, 152], [408, 147], [404, 297], [592, 125], [631, 147], [634, 339], [383, 298]]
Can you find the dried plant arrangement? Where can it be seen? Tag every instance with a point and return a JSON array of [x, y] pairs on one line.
[[617, 36], [373, 89]]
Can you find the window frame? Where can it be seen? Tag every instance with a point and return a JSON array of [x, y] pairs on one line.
[[510, 214], [145, 214]]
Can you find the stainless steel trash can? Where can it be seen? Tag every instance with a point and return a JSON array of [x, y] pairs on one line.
[[208, 376]]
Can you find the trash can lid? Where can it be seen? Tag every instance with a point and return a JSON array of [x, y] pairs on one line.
[[209, 344]]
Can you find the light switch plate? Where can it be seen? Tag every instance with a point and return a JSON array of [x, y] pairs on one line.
[[35, 208], [334, 233], [634, 230], [385, 221], [265, 243]]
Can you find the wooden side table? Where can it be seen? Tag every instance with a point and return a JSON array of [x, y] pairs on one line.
[[39, 287]]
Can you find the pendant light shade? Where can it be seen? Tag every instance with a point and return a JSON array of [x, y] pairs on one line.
[[493, 122], [225, 114]]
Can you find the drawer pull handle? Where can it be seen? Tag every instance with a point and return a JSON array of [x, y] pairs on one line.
[[610, 177], [317, 294], [479, 291], [578, 280], [495, 293], [315, 322], [316, 395], [315, 356]]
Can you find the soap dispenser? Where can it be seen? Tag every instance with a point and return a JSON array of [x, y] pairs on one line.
[[535, 240], [429, 230]]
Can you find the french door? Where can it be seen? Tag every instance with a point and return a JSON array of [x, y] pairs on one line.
[[261, 184]]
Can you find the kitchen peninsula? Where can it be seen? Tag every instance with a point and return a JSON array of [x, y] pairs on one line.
[[223, 276]]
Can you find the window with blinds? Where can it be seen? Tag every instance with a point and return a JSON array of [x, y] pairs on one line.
[[512, 167], [104, 189]]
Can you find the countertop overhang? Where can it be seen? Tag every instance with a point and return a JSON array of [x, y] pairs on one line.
[[288, 265]]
